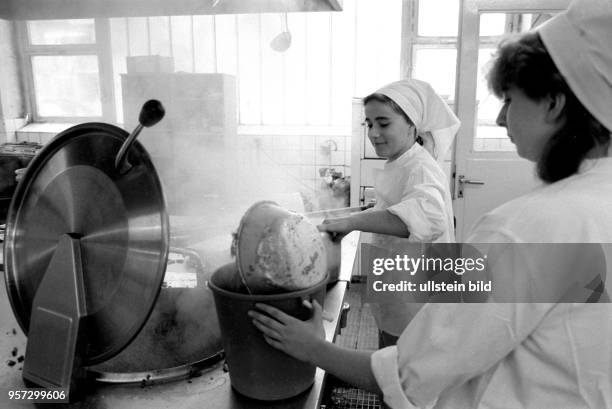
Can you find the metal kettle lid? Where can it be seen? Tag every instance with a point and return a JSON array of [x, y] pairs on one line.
[[72, 186]]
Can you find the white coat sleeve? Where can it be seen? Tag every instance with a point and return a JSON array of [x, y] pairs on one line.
[[422, 208], [448, 344]]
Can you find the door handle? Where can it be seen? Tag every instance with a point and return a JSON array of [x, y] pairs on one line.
[[462, 180]]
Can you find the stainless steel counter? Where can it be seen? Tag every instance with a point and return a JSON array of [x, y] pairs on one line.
[[209, 389]]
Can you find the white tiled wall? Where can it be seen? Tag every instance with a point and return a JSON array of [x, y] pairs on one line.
[[8, 128], [294, 158], [299, 157]]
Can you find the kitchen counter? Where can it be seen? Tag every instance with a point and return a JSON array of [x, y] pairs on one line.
[[208, 389]]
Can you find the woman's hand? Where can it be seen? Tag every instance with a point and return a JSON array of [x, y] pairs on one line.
[[338, 227], [297, 338], [305, 340]]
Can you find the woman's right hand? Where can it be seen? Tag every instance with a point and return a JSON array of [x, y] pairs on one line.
[[337, 228]]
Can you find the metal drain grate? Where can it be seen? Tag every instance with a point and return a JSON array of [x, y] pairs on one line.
[[360, 333], [353, 398]]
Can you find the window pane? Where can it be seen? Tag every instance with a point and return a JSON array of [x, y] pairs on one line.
[[343, 63], [437, 66], [497, 24], [138, 36], [438, 18], [332, 57], [378, 44], [226, 44], [58, 32], [488, 104], [317, 68], [525, 23], [182, 43], [205, 58], [492, 24], [119, 46], [295, 71], [67, 85], [272, 71], [531, 21], [249, 72], [159, 28], [488, 136]]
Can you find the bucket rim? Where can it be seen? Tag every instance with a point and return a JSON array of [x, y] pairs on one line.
[[267, 297]]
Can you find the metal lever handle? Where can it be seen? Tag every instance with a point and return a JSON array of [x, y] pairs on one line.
[[462, 180], [151, 113]]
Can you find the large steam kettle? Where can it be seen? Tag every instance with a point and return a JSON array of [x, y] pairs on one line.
[[85, 249]]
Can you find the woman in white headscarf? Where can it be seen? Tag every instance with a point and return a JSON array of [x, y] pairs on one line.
[[412, 191], [556, 85], [413, 128]]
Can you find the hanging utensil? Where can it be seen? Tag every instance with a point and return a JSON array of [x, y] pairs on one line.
[[282, 41]]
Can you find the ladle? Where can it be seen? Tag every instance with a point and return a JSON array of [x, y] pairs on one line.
[[282, 41], [151, 113]]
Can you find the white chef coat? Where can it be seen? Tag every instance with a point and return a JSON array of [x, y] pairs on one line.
[[414, 188], [514, 355]]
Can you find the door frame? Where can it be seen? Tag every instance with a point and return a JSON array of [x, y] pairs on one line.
[[465, 88]]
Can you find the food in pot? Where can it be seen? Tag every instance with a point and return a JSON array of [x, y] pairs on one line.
[[279, 250], [290, 255]]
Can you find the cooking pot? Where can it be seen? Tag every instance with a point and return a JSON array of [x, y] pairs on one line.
[[181, 331], [278, 250]]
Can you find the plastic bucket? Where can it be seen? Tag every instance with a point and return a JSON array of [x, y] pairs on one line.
[[256, 369]]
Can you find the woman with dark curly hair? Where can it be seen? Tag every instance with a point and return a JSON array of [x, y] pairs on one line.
[[526, 66], [538, 351]]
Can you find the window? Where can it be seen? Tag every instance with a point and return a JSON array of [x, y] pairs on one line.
[[432, 44], [61, 32], [64, 58], [432, 57], [310, 84], [493, 26], [67, 85], [333, 57]]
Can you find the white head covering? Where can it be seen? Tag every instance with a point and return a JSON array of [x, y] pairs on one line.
[[580, 43], [427, 111]]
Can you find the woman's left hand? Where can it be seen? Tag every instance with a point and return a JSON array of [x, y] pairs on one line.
[[297, 338]]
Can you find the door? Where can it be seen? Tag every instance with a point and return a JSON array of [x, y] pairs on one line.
[[487, 170]]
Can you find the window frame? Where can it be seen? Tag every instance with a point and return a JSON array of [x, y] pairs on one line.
[[413, 41], [100, 49]]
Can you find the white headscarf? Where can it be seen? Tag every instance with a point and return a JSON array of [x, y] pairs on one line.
[[428, 112], [580, 43]]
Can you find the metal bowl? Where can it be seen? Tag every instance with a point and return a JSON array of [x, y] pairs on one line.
[[73, 187], [278, 250]]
